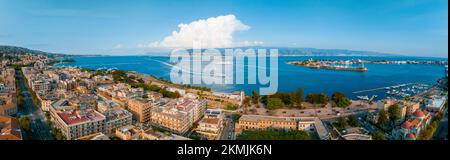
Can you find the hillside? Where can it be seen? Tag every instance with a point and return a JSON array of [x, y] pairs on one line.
[[10, 50]]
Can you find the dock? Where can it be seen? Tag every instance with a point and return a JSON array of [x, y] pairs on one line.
[[382, 88]]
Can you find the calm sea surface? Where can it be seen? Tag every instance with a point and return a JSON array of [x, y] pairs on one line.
[[292, 77]]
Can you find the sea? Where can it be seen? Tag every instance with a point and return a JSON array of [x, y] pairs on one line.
[[291, 77]]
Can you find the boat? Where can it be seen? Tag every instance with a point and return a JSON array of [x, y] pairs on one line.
[[363, 97]]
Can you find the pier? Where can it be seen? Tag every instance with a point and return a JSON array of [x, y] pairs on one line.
[[382, 88]]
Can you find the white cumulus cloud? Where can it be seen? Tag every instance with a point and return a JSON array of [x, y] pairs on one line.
[[214, 32]]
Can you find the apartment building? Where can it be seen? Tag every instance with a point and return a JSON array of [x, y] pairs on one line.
[[179, 115], [9, 128], [8, 104], [115, 118], [257, 122], [79, 123], [212, 124], [141, 109]]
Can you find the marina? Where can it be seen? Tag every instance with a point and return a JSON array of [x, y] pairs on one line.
[[396, 91], [382, 88]]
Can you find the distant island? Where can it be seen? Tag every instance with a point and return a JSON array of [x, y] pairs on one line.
[[331, 65], [357, 64]]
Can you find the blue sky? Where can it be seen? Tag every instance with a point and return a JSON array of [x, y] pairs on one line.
[[408, 27]]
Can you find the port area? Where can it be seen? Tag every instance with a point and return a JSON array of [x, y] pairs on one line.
[[399, 90], [344, 65]]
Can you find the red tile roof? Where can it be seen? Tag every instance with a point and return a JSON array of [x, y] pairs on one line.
[[10, 129], [419, 113], [411, 136], [78, 116], [406, 125]]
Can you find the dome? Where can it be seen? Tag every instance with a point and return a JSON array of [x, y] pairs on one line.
[[419, 113], [406, 125], [411, 136]]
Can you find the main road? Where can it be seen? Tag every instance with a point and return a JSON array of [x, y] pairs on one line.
[[38, 124], [228, 129], [442, 131]]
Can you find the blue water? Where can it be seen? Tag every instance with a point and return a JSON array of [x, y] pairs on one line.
[[292, 77]]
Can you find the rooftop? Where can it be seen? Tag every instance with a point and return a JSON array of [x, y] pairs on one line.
[[80, 116], [9, 128], [273, 118]]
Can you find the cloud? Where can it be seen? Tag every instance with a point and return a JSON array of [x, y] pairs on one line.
[[118, 46], [214, 32]]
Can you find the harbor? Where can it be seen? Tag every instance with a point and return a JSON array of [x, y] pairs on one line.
[[396, 91]]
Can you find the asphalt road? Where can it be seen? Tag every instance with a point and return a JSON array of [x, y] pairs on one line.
[[38, 124], [442, 131], [228, 130]]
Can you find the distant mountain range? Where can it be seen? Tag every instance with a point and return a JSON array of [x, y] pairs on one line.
[[283, 51], [327, 52]]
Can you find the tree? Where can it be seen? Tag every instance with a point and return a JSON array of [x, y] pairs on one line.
[[394, 112], [341, 123], [255, 97], [275, 103], [25, 123], [300, 96], [377, 135], [340, 100], [293, 99], [428, 133], [382, 118], [246, 104], [231, 107], [265, 99], [315, 98], [353, 121], [57, 134]]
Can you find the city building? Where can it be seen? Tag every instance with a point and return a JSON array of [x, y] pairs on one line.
[[41, 86], [79, 123], [211, 125], [8, 104], [179, 115], [132, 133], [182, 92], [258, 122], [95, 136], [141, 109], [385, 103], [356, 133], [9, 128], [411, 128], [116, 118], [435, 104], [128, 132]]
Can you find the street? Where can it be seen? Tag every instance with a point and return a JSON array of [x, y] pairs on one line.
[[38, 124], [228, 130], [442, 131]]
